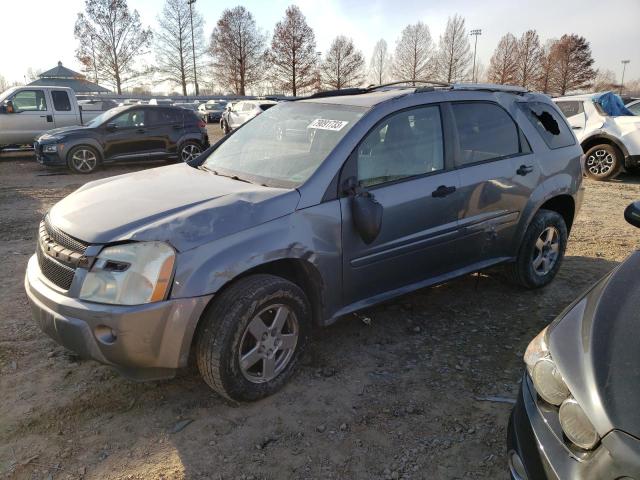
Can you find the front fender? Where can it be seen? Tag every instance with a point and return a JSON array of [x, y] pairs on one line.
[[74, 142]]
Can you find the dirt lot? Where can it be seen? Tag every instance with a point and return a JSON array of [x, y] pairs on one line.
[[394, 393]]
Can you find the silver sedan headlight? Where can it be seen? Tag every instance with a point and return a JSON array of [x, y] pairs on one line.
[[576, 426], [546, 378], [130, 274]]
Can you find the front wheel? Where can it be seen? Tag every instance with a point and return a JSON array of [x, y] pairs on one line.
[[541, 251], [251, 338], [603, 162], [190, 151], [83, 159]]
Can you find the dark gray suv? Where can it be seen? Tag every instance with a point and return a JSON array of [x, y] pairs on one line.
[[238, 254]]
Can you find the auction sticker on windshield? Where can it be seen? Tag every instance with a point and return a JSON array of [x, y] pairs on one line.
[[324, 124]]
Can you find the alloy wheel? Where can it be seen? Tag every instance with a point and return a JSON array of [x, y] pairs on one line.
[[600, 162], [546, 251], [268, 343], [189, 152], [84, 160]]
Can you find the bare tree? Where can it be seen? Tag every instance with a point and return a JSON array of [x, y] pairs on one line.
[[293, 57], [4, 84], [573, 64], [110, 38], [454, 55], [529, 58], [414, 53], [32, 74], [173, 46], [238, 50], [380, 63], [604, 80], [546, 68], [343, 65], [503, 67]]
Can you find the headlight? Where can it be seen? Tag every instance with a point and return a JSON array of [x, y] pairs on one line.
[[576, 426], [130, 274], [52, 148], [546, 378]]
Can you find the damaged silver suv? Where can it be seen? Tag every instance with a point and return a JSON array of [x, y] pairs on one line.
[[314, 209]]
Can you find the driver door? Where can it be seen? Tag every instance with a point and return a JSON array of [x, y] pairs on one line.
[[127, 136], [32, 116], [401, 164]]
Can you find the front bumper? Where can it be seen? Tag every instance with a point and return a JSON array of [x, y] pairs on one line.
[[534, 436], [143, 342], [48, 158]]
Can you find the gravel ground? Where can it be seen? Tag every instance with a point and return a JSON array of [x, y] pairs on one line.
[[397, 391]]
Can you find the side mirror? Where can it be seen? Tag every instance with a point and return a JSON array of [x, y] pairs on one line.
[[112, 127], [632, 214], [365, 210]]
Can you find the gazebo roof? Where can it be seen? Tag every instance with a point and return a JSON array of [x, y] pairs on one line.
[[64, 77], [61, 72]]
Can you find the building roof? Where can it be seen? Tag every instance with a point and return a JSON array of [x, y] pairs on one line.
[[64, 77]]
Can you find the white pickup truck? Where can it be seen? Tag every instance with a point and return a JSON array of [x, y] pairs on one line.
[[26, 112]]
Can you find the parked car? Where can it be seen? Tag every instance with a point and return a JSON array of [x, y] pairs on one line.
[[243, 111], [96, 105], [26, 112], [238, 253], [130, 101], [212, 111], [609, 139], [224, 117], [134, 132], [194, 108], [577, 411], [161, 101], [634, 106]]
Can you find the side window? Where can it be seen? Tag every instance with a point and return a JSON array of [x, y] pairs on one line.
[[485, 132], [162, 116], [132, 118], [61, 101], [550, 125], [635, 108], [569, 109], [403, 145], [247, 107], [30, 100]]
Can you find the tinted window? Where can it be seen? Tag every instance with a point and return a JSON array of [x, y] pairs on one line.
[[569, 109], [406, 144], [163, 116], [550, 125], [635, 108], [30, 100], [485, 132], [266, 106], [61, 101], [132, 118]]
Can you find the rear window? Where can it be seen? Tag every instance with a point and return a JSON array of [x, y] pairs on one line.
[[266, 106], [569, 109], [61, 101], [550, 125]]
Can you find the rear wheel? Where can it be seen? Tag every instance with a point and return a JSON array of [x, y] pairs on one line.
[[190, 151], [83, 159], [541, 251], [252, 337], [603, 162]]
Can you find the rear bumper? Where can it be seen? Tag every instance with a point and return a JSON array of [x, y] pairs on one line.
[[142, 341]]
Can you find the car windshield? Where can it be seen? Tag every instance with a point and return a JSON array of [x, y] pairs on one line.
[[104, 117], [284, 145], [215, 107]]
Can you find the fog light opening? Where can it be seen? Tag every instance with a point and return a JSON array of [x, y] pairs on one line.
[[516, 466], [106, 335]]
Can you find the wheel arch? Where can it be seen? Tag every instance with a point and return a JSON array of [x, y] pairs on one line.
[[85, 142], [563, 204], [604, 138]]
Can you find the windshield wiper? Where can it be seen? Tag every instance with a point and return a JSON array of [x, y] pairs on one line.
[[215, 172]]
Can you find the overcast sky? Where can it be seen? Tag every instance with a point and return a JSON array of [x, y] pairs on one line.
[[38, 33]]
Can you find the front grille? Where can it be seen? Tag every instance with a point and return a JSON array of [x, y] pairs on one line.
[[56, 272], [62, 238], [59, 254]]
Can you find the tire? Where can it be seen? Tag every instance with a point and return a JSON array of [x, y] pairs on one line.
[[189, 150], [83, 159], [531, 270], [229, 330], [603, 162]]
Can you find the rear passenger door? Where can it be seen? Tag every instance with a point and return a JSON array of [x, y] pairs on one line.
[[64, 114], [401, 162], [497, 173], [163, 131]]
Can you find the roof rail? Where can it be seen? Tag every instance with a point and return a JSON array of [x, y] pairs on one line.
[[339, 92], [489, 87], [409, 83]]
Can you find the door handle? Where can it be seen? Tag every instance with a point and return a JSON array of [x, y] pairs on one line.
[[575, 127], [524, 169], [48, 117], [443, 191]]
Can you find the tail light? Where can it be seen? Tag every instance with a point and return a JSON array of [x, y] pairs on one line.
[[202, 124]]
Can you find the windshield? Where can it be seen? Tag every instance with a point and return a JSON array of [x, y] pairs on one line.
[[284, 145], [104, 117]]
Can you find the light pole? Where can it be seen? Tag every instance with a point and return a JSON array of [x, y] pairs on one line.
[[475, 33], [193, 47], [624, 66]]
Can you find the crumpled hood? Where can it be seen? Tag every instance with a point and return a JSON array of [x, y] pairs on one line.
[[596, 346], [179, 204], [61, 131]]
